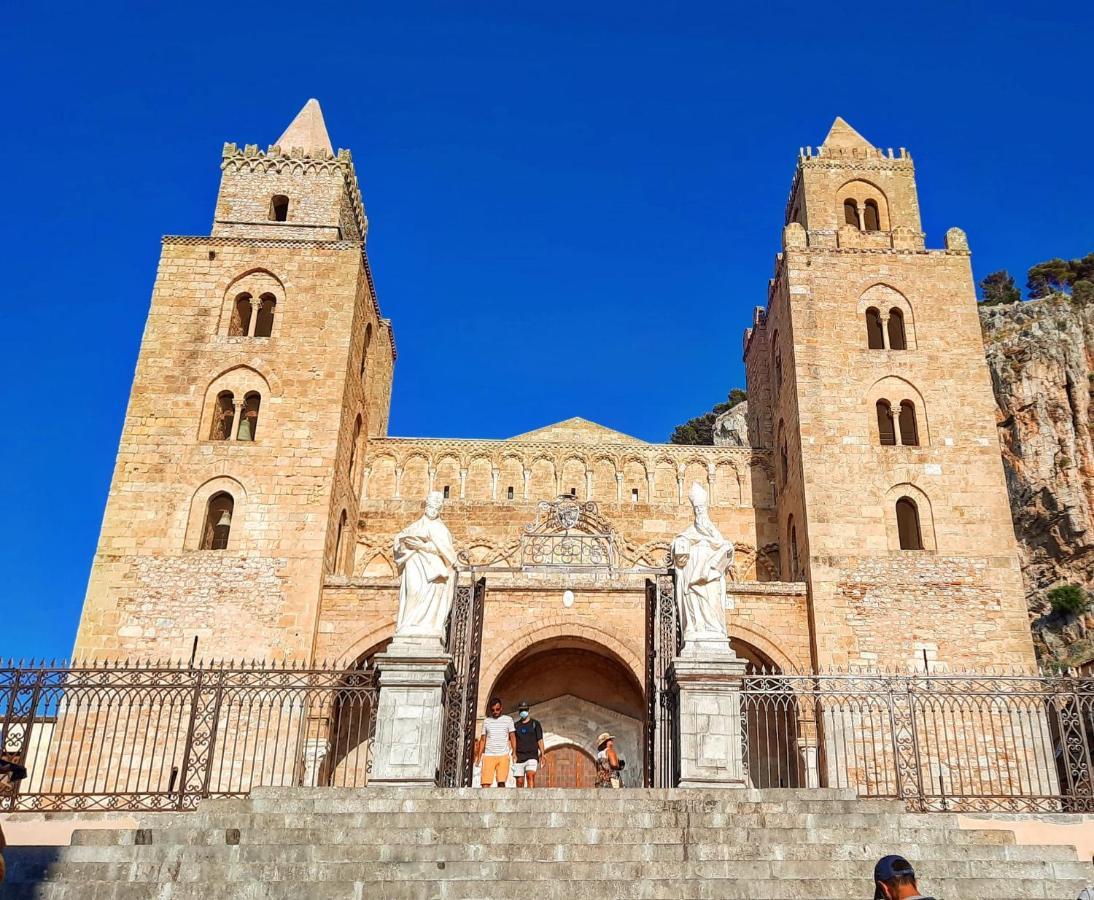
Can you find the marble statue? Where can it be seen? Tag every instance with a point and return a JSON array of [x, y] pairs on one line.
[[700, 556], [426, 558]]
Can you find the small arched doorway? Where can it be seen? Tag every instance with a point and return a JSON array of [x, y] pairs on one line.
[[348, 756], [776, 723], [577, 689]]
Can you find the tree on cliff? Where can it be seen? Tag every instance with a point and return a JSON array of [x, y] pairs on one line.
[[1053, 276], [700, 430], [998, 287], [1059, 276]]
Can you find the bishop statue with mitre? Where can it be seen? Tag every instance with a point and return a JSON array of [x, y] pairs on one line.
[[700, 556], [426, 559]]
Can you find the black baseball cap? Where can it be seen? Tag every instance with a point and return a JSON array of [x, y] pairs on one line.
[[887, 867], [522, 705]]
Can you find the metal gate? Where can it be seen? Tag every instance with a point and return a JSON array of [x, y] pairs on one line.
[[662, 763], [462, 693]]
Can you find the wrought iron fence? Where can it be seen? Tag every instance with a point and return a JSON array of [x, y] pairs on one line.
[[938, 742], [151, 737], [135, 737]]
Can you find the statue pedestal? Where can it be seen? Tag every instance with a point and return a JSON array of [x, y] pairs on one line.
[[707, 676], [410, 717]]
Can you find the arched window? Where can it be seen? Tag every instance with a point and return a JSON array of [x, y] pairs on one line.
[[339, 541], [353, 446], [875, 337], [778, 369], [218, 522], [265, 321], [850, 212], [792, 549], [279, 208], [885, 426], [248, 419], [897, 340], [509, 493], [223, 416], [909, 434], [870, 216], [795, 562], [241, 316], [366, 343], [907, 524], [784, 466]]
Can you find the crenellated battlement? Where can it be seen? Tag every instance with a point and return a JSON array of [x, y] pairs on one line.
[[297, 161]]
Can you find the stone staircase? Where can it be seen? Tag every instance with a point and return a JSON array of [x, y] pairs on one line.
[[424, 843]]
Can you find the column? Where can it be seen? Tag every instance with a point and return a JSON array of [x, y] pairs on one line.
[[807, 750], [432, 476], [649, 486], [463, 482], [315, 751], [253, 321], [398, 482], [494, 473], [707, 679], [680, 470], [365, 476], [712, 472], [884, 330], [619, 487], [588, 485], [410, 714], [527, 481]]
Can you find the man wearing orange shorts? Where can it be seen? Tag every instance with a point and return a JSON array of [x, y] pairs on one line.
[[495, 746]]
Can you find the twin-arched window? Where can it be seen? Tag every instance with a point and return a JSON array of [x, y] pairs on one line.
[[892, 329], [902, 421], [251, 317], [225, 414], [865, 218]]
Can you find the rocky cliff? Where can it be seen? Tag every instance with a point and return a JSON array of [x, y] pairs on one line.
[[1041, 356]]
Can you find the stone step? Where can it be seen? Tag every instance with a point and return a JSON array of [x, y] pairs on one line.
[[592, 889], [366, 833], [320, 846], [529, 818]]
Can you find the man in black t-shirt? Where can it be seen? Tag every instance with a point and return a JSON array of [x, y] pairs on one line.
[[529, 734]]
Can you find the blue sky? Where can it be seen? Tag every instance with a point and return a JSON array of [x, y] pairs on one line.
[[573, 207]]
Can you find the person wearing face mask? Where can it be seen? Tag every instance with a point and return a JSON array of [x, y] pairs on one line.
[[529, 747]]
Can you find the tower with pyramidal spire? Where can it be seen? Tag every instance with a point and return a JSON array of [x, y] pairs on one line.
[[264, 372], [866, 376]]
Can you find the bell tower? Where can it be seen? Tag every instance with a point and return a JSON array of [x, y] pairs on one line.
[[872, 390], [264, 370]]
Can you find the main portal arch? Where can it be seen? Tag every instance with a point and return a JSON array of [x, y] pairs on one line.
[[577, 689]]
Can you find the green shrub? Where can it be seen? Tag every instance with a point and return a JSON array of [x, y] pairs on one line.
[[1068, 599]]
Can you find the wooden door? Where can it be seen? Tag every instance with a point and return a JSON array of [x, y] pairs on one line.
[[567, 767]]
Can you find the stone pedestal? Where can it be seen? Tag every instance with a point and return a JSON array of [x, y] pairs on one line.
[[410, 717], [707, 676]]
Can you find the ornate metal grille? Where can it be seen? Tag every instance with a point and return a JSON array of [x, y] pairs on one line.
[[144, 737], [662, 703], [462, 693], [568, 534]]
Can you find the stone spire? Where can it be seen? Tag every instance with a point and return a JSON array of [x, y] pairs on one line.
[[307, 131], [844, 137]]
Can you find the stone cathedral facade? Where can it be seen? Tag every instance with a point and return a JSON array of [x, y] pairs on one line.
[[257, 490]]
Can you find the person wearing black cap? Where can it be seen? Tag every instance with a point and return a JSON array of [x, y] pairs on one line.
[[529, 747], [894, 879]]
